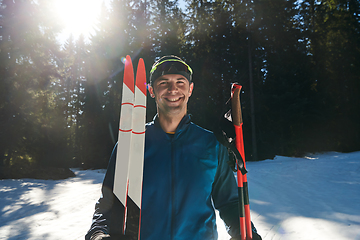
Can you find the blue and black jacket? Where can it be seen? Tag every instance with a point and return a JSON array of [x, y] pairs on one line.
[[186, 177]]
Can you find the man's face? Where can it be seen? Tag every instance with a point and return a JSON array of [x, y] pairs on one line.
[[171, 93]]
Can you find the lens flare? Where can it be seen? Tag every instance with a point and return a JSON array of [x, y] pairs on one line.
[[77, 16]]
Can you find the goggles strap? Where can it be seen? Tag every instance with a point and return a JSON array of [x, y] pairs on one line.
[[171, 60]]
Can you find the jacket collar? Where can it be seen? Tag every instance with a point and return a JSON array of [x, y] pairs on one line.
[[183, 125]]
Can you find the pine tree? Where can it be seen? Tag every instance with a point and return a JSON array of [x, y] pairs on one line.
[[167, 28], [332, 32], [28, 57]]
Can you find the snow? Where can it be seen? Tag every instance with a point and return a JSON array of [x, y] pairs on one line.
[[47, 209], [315, 197]]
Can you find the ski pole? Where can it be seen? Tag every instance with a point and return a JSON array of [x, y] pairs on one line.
[[244, 207]]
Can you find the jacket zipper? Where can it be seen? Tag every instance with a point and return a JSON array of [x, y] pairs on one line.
[[172, 190]]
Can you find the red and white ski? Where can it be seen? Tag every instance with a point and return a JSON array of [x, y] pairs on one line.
[[130, 151]]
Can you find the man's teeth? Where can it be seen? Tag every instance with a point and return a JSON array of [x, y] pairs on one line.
[[173, 99]]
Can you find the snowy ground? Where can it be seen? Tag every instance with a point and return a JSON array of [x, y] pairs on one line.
[[316, 197]]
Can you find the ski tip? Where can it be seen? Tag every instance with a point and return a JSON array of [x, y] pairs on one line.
[[128, 60], [141, 76], [129, 74]]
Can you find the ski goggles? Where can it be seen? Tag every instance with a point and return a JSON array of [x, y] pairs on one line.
[[170, 66]]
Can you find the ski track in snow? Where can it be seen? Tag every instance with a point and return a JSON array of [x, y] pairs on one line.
[[316, 197]]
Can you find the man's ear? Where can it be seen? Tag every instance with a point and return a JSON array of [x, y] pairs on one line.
[[191, 88], [151, 91]]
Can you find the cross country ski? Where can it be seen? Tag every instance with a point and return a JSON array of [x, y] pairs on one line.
[[130, 150]]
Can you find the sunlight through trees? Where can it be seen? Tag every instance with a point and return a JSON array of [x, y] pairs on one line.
[[59, 102]]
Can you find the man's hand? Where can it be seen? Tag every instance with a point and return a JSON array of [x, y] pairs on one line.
[[103, 236], [100, 236]]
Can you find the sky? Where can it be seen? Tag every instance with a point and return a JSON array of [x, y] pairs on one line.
[[311, 198]]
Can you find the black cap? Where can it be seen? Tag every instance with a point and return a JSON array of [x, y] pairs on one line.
[[170, 65]]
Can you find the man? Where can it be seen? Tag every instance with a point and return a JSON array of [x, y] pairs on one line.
[[185, 170]]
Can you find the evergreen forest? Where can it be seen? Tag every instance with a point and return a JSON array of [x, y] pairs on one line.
[[298, 62]]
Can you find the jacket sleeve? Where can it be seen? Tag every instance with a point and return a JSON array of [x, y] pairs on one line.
[[107, 205], [225, 195]]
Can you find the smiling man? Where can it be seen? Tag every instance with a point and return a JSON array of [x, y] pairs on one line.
[[186, 175], [171, 93]]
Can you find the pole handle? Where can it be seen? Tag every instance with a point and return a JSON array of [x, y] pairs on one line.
[[236, 105]]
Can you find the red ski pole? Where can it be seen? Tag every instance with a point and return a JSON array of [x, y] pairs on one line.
[[244, 207]]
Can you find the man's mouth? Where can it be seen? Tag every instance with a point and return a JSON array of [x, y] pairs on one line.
[[173, 99]]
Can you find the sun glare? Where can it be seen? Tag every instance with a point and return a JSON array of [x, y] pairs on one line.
[[77, 16]]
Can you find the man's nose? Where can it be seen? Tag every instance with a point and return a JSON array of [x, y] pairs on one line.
[[172, 87]]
